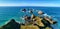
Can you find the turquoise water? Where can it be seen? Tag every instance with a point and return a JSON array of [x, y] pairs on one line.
[[7, 13]]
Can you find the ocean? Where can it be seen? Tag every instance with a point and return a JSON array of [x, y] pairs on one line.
[[7, 13]]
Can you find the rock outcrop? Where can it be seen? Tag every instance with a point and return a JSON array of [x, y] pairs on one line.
[[11, 25]]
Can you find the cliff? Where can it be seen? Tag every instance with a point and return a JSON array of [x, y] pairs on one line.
[[11, 25]]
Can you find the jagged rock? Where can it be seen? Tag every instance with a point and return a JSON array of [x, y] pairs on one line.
[[11, 25]]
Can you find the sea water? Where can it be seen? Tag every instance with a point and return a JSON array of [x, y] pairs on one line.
[[8, 13]]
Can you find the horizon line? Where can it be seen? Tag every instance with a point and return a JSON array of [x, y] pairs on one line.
[[29, 6]]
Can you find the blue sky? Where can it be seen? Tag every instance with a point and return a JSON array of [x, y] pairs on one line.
[[30, 3]]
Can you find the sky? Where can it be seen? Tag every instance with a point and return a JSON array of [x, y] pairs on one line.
[[55, 3]]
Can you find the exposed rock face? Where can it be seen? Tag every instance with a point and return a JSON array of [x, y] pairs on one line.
[[29, 27], [14, 25], [11, 25]]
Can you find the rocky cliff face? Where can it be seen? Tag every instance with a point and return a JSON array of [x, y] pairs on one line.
[[11, 25]]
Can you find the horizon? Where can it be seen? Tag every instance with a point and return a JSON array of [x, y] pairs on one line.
[[29, 6]]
